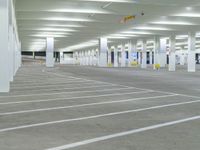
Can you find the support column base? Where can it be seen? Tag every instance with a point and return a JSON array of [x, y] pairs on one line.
[[191, 62], [172, 62]]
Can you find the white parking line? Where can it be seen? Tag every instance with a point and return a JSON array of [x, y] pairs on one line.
[[74, 88], [60, 75], [84, 105], [121, 134], [90, 80], [192, 96], [96, 116], [43, 94], [42, 81], [78, 97], [67, 83]]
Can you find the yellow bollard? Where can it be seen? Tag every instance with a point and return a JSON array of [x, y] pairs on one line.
[[110, 65], [134, 63], [157, 66]]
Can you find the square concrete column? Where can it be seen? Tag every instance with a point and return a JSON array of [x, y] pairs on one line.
[[50, 52], [109, 56], [144, 54], [123, 56], [139, 57], [132, 52], [90, 58], [116, 64], [191, 52], [156, 50], [61, 57], [33, 54], [103, 48], [4, 52], [162, 56], [11, 53], [150, 57], [93, 57], [172, 56]]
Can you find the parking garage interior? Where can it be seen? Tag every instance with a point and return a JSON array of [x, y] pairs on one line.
[[99, 75]]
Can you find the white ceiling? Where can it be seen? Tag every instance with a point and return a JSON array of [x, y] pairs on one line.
[[79, 23]]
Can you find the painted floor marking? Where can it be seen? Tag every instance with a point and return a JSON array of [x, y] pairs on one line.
[[121, 134], [84, 105], [60, 89], [95, 116], [56, 93], [76, 97]]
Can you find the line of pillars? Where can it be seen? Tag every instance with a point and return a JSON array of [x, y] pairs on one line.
[[102, 56]]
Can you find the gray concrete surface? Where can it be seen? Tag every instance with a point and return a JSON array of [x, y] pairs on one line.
[[88, 108]]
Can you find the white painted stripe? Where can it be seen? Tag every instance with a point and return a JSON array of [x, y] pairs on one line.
[[96, 116], [60, 89], [84, 105], [192, 96], [121, 134], [56, 93], [78, 97], [60, 75], [91, 80], [18, 84], [67, 83]]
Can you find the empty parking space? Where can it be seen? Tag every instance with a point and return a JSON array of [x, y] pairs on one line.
[[76, 111]]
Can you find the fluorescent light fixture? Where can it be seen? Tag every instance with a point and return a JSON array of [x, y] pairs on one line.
[[116, 37], [64, 25], [117, 1], [180, 37], [135, 32], [46, 35], [67, 19], [52, 33], [51, 29], [188, 8], [92, 11], [123, 35], [150, 28], [172, 23], [188, 15], [82, 45]]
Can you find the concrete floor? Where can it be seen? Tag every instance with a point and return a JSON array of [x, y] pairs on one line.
[[88, 108]]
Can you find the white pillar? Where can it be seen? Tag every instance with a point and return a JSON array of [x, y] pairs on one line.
[[182, 59], [61, 57], [33, 54], [11, 53], [89, 58], [49, 52], [92, 57], [191, 52], [150, 57], [4, 54], [103, 48], [139, 57], [116, 57], [162, 52], [144, 55], [89, 53], [109, 56], [172, 56], [132, 53], [156, 50], [81, 58], [123, 56], [97, 57]]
